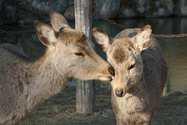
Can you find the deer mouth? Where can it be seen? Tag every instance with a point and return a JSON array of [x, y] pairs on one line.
[[106, 78], [112, 77]]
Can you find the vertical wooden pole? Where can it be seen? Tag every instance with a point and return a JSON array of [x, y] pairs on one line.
[[85, 96]]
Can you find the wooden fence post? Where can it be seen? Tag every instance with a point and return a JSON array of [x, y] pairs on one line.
[[85, 95]]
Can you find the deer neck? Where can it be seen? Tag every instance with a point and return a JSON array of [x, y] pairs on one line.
[[46, 81], [139, 88]]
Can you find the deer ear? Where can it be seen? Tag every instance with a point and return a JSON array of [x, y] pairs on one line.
[[103, 41], [143, 37], [45, 33], [58, 21]]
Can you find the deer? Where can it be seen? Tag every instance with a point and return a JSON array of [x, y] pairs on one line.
[[140, 73], [27, 82]]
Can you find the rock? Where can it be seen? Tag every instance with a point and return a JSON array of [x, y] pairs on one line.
[[130, 9], [159, 8], [40, 9], [109, 8], [46, 6], [184, 10], [180, 8], [165, 8], [140, 6], [127, 13], [9, 12], [162, 12], [169, 4]]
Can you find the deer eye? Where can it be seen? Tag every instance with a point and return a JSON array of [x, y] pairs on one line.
[[78, 54], [132, 66]]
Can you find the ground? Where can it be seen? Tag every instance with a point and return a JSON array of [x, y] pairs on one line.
[[60, 110]]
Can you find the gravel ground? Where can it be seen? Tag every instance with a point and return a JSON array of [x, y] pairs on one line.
[[60, 110]]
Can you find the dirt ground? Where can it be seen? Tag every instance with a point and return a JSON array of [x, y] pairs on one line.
[[60, 110]]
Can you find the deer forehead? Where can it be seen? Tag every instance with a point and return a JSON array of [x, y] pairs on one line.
[[69, 35], [121, 50]]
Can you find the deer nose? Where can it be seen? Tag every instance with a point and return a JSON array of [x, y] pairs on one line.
[[119, 92], [111, 70]]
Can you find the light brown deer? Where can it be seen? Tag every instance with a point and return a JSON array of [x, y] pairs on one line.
[[140, 73], [26, 82]]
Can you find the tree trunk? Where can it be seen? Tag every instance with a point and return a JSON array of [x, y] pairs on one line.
[[85, 95]]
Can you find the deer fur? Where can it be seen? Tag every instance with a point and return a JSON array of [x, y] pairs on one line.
[[26, 82], [140, 73]]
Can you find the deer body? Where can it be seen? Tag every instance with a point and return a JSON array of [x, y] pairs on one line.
[[25, 82], [141, 74]]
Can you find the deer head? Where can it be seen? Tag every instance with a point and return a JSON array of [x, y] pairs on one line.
[[70, 51], [124, 54]]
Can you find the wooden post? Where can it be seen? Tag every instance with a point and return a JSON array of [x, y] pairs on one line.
[[85, 95]]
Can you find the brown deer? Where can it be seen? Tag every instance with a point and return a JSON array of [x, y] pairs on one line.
[[26, 82], [140, 73]]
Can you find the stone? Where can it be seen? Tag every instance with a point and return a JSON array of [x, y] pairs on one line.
[[127, 13], [180, 8], [9, 10], [46, 6], [110, 8]]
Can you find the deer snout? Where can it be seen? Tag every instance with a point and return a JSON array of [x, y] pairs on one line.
[[119, 92], [107, 73]]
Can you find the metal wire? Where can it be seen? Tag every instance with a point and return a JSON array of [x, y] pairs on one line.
[[110, 21], [71, 12]]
